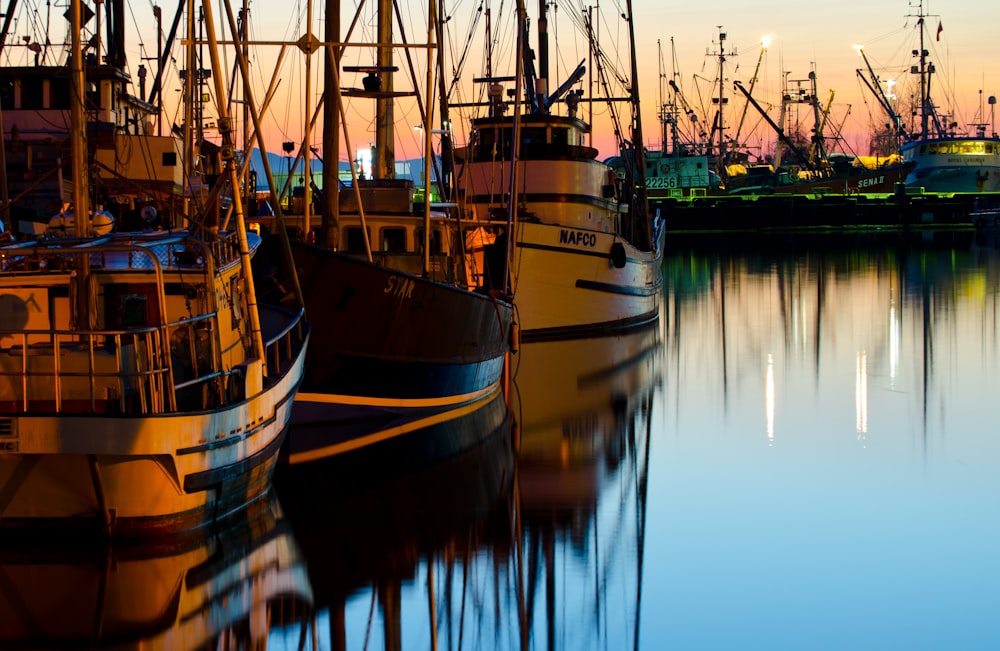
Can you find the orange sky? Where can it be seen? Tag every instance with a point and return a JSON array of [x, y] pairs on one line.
[[805, 37]]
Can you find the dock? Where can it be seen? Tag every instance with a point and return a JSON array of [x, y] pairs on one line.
[[818, 211]]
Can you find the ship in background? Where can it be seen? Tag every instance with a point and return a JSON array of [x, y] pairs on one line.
[[941, 156], [699, 159]]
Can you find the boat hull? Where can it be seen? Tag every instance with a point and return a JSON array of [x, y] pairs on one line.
[[954, 165], [390, 339], [398, 441], [585, 262], [568, 282], [144, 475]]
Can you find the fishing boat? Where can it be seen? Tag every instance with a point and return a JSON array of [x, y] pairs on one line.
[[143, 388], [136, 162], [408, 321], [944, 157], [813, 169], [587, 252]]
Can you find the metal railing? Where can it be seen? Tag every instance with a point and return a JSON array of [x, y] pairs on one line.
[[132, 370]]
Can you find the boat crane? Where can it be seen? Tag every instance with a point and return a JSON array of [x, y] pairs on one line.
[[777, 129], [818, 149], [873, 84], [689, 112]]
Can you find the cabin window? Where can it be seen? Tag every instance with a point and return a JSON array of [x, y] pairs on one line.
[[533, 137], [494, 142], [485, 142], [355, 239], [59, 94], [32, 94], [131, 305], [7, 95], [132, 311], [169, 159], [435, 241], [560, 139], [394, 239]]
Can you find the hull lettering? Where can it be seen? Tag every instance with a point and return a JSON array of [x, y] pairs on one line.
[[577, 238], [870, 182], [399, 287]]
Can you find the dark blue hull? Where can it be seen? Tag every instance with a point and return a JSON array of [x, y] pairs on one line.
[[385, 338]]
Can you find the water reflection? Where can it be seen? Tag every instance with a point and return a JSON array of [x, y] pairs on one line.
[[800, 454], [908, 312], [583, 468], [381, 527], [489, 546], [233, 587], [826, 469]]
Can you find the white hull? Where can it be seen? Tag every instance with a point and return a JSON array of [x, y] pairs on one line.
[[580, 266], [567, 283], [160, 416], [958, 165], [164, 472]]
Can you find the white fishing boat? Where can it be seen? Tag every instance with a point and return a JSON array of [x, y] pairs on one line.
[[142, 387], [944, 157], [587, 252], [133, 396]]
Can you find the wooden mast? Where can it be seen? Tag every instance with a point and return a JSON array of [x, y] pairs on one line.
[[229, 156], [81, 189], [384, 165], [639, 201], [330, 230]]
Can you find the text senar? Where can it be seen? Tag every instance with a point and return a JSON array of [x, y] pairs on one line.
[[870, 182], [577, 238]]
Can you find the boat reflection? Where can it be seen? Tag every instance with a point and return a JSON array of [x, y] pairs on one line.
[[375, 521], [232, 588], [493, 546], [576, 399], [586, 410]]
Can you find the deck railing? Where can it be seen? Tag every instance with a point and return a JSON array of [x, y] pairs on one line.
[[135, 370]]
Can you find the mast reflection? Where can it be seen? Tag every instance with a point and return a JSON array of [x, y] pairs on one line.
[[582, 475], [378, 525], [527, 537]]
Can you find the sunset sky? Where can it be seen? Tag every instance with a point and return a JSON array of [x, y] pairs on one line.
[[804, 37]]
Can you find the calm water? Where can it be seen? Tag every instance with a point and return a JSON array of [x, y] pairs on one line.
[[801, 455]]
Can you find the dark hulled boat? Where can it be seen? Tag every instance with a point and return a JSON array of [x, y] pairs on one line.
[[405, 317], [388, 339]]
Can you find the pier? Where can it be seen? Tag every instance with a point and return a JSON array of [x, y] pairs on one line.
[[817, 211]]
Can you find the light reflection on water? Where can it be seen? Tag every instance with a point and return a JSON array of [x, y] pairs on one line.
[[800, 455], [824, 473]]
